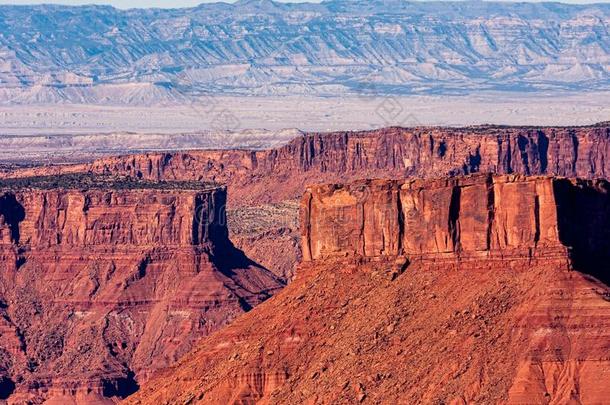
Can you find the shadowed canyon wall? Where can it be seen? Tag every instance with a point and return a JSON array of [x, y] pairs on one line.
[[101, 286]]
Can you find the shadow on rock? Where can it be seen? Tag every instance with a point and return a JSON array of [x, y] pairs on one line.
[[584, 225]]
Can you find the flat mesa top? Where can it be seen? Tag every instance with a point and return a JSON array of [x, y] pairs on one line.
[[89, 181]]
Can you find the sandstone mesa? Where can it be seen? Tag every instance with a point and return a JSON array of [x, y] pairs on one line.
[[100, 287]]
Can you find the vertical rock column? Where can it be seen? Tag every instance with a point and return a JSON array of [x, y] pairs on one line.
[[210, 218], [359, 219]]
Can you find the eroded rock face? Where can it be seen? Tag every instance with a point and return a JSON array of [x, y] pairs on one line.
[[469, 217], [255, 178], [278, 174], [414, 291], [99, 288], [386, 153]]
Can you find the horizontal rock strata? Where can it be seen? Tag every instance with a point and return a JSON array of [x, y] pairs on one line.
[[482, 216], [100, 287], [451, 291], [384, 153], [256, 177]]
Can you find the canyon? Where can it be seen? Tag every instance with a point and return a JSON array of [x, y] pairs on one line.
[[279, 175], [409, 292], [106, 279], [257, 202], [155, 277]]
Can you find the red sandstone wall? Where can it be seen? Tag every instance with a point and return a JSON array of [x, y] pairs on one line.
[[107, 217], [575, 152], [99, 288], [472, 216], [281, 173]]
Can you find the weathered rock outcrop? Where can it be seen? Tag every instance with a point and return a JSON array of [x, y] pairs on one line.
[[101, 285], [425, 291], [386, 153], [476, 216]]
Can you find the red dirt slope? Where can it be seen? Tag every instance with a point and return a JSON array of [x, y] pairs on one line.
[[515, 332]]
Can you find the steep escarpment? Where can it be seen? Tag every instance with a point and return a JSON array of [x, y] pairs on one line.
[[103, 282], [422, 152], [268, 177], [466, 290], [463, 217], [385, 153]]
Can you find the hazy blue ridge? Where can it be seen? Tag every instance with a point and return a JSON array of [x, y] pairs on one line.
[[99, 54]]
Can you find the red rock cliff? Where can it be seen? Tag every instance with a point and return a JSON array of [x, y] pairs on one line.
[[425, 291], [281, 173], [113, 217], [271, 176], [101, 286], [472, 216], [466, 217], [391, 152]]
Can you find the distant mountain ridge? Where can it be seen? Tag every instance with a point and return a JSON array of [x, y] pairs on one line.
[[102, 55]]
